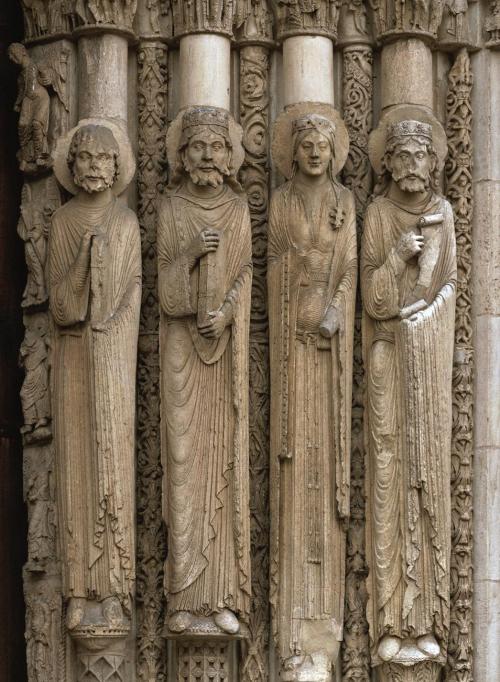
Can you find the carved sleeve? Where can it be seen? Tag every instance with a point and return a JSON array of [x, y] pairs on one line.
[[347, 282], [174, 281], [233, 295], [379, 275], [69, 280]]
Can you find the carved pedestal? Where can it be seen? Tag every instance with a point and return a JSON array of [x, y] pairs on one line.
[[427, 671]]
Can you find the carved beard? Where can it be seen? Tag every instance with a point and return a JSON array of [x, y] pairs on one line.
[[411, 182], [91, 184], [213, 177]]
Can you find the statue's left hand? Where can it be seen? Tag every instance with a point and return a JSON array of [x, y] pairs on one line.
[[331, 323], [214, 326]]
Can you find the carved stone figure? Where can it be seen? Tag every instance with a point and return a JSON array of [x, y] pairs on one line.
[[312, 285], [35, 396], [94, 277], [407, 17], [194, 16], [114, 12], [296, 17], [33, 106], [205, 268], [408, 273]]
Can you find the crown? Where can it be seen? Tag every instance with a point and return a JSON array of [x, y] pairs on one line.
[[199, 116], [312, 122], [410, 129]]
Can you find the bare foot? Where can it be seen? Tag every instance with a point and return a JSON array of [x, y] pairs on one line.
[[227, 621], [389, 646], [428, 645], [180, 621]]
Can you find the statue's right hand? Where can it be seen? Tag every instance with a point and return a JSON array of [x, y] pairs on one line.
[[204, 242], [409, 245], [87, 236]]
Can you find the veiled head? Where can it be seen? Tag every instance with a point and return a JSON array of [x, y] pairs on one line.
[[93, 158]]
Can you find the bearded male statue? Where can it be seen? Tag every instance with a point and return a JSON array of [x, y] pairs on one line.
[[94, 279], [408, 273], [205, 271]]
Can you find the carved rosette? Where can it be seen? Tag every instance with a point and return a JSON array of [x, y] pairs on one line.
[[312, 17], [151, 549], [459, 192], [357, 114], [203, 16], [254, 118]]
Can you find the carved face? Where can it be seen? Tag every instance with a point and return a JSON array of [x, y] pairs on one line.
[[410, 165], [94, 167], [313, 154], [206, 158]]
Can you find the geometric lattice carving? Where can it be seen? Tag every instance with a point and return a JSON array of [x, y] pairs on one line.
[[101, 668], [204, 661]]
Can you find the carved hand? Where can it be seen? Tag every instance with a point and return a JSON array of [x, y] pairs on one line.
[[213, 328], [331, 323], [204, 242], [411, 311], [409, 245], [87, 238]]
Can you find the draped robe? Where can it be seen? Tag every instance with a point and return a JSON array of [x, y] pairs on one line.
[[204, 386], [94, 396], [408, 366], [311, 265]]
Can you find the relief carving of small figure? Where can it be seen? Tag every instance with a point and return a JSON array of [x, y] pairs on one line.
[[94, 276], [41, 518], [205, 272], [35, 394], [38, 656], [408, 273], [33, 104], [312, 267]]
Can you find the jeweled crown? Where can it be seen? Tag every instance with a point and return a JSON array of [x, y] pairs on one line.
[[199, 116], [409, 129], [312, 122]]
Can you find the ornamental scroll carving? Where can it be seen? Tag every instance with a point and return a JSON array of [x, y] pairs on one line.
[[204, 279], [254, 118], [151, 545], [458, 170], [94, 278], [312, 286], [408, 281]]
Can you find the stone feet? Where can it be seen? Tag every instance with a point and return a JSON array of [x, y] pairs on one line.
[[222, 624], [180, 621], [227, 621], [408, 651]]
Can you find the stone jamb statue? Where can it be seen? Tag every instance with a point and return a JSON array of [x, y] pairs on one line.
[[312, 272], [205, 271], [94, 278], [408, 273]]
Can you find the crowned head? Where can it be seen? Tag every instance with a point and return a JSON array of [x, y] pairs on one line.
[[313, 141]]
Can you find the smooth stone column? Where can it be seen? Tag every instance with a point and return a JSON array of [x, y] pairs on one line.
[[205, 70], [486, 319], [308, 69], [103, 71], [407, 74]]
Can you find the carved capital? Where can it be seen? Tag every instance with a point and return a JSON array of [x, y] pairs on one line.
[[394, 19], [106, 15], [203, 16], [312, 17], [253, 22]]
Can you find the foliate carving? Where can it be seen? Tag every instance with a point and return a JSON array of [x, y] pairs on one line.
[[48, 18], [254, 118], [307, 17], [94, 293], [492, 24], [312, 266], [151, 548], [199, 662], [459, 191], [204, 260], [203, 16], [357, 114], [253, 21], [408, 275], [118, 13], [407, 18]]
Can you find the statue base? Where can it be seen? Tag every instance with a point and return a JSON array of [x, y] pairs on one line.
[[425, 671]]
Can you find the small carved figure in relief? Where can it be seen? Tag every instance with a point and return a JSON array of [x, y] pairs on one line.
[[455, 19], [94, 278], [492, 23], [312, 288], [35, 395], [296, 16], [41, 518], [117, 12], [33, 104], [205, 271], [408, 273], [38, 655]]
